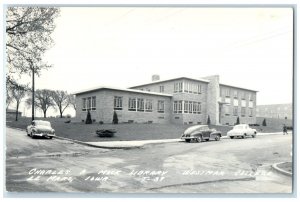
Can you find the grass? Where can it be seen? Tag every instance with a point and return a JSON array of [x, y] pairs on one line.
[[133, 131]]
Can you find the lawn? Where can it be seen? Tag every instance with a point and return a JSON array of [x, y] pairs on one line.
[[87, 132]]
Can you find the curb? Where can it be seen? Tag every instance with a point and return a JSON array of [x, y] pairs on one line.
[[279, 170], [96, 146]]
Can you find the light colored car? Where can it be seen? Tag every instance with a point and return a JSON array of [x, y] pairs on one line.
[[241, 130], [39, 128], [200, 133]]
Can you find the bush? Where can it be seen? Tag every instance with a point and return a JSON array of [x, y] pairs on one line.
[[115, 118], [237, 121], [264, 123], [68, 116], [88, 118], [101, 122], [208, 120]]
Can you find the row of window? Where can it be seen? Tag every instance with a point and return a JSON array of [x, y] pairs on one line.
[[236, 102], [187, 87], [235, 111], [139, 104], [183, 106], [225, 92], [89, 103]]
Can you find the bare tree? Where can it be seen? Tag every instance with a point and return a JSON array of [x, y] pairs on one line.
[[72, 101], [61, 99], [9, 97], [28, 36], [43, 100], [18, 93]]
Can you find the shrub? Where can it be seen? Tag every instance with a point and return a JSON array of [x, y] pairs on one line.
[[101, 122], [88, 118], [264, 123], [208, 120], [237, 120], [115, 118]]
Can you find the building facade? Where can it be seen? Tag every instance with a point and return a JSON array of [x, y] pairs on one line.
[[180, 100], [279, 111]]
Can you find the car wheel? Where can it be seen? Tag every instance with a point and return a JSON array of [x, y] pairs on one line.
[[218, 137], [231, 137], [50, 137], [199, 139], [32, 135], [243, 136], [254, 136], [187, 140]]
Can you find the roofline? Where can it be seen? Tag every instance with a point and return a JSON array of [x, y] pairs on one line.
[[161, 81], [120, 89], [221, 84]]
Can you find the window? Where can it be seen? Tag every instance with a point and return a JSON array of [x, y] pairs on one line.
[[161, 89], [243, 95], [180, 106], [175, 87], [186, 107], [227, 92], [132, 104], [235, 102], [235, 111], [175, 107], [148, 106], [250, 112], [186, 87], [83, 104], [199, 89], [251, 104], [250, 96], [243, 111], [89, 103], [161, 106], [243, 103], [140, 104], [190, 107], [118, 104], [235, 94], [180, 86], [226, 110], [94, 103]]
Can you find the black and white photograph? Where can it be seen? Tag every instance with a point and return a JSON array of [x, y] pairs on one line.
[[149, 99]]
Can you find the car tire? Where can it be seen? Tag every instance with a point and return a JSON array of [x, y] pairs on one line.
[[188, 140], [31, 135], [218, 137], [243, 136], [50, 137], [231, 137], [199, 139], [254, 136]]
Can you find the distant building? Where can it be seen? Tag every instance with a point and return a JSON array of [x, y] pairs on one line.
[[279, 111], [11, 113], [180, 100]]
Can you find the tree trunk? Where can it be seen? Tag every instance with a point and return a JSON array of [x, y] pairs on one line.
[[17, 111], [45, 114], [61, 113]]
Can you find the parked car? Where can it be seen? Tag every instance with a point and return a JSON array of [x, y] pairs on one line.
[[241, 130], [200, 133], [40, 128]]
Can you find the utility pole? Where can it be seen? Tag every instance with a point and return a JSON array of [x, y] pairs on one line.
[[32, 105]]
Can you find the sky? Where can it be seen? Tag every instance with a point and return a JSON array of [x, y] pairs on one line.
[[125, 46]]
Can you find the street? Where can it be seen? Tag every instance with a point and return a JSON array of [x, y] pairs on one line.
[[226, 166]]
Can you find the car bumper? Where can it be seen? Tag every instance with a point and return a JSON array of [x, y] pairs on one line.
[[44, 134]]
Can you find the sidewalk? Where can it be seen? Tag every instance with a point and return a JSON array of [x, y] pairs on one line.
[[138, 143]]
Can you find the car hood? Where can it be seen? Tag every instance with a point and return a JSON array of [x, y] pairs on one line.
[[191, 129], [44, 128]]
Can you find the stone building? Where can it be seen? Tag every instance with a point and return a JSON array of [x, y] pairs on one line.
[[180, 100]]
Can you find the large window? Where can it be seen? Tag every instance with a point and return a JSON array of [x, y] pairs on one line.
[[118, 103], [243, 95], [227, 92], [243, 111], [235, 111], [89, 103], [187, 107], [250, 112], [148, 106], [161, 89], [160, 106], [251, 96], [140, 104], [132, 104], [235, 94], [226, 110], [178, 87]]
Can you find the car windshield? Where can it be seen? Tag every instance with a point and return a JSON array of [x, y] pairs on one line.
[[238, 127], [42, 123], [204, 128]]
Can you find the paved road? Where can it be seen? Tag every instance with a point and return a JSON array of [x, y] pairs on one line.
[[227, 166]]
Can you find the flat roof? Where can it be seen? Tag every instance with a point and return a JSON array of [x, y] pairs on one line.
[[238, 87], [161, 81], [120, 89]]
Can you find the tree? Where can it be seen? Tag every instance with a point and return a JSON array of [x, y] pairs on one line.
[[208, 120], [43, 100], [237, 121], [61, 99], [72, 101], [28, 36], [18, 93], [115, 118], [264, 123], [88, 119], [9, 97]]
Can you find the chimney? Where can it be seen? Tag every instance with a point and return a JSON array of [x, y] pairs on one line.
[[155, 77]]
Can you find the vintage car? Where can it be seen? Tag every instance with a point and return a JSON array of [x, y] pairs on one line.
[[200, 133], [241, 130], [39, 128]]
